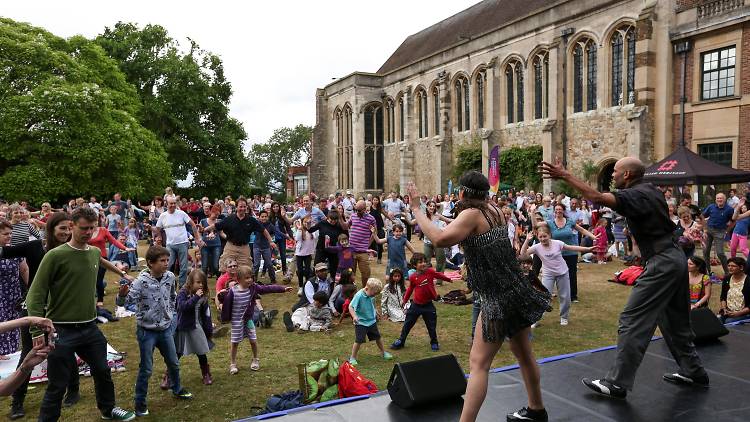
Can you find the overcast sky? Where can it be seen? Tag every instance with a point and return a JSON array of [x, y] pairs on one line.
[[275, 53]]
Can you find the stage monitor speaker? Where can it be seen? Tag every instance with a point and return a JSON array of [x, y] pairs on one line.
[[706, 325], [423, 381]]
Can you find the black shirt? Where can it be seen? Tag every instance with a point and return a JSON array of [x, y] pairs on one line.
[[326, 229], [33, 251], [647, 215], [238, 231]]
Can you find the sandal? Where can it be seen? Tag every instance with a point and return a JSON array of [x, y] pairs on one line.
[[233, 369], [255, 365]]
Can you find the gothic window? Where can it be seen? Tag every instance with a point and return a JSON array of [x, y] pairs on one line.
[[480, 98], [401, 119], [718, 73], [514, 90], [462, 104], [584, 75], [436, 110], [623, 66], [340, 147], [349, 163], [422, 112], [541, 85], [344, 147], [390, 124], [373, 126]]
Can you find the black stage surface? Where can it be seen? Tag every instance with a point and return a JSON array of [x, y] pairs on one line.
[[727, 362]]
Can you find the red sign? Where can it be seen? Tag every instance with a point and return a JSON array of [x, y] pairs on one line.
[[668, 165]]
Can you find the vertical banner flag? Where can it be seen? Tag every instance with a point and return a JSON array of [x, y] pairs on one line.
[[450, 186], [494, 170]]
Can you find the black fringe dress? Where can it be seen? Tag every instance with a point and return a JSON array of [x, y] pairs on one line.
[[509, 303]]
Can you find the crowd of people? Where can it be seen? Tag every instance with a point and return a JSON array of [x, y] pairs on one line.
[[53, 263]]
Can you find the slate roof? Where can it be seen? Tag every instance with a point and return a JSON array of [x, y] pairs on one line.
[[468, 24]]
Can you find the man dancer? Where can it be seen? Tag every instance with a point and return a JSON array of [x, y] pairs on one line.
[[173, 222], [661, 294], [64, 291]]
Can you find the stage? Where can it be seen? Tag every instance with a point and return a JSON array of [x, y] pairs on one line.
[[727, 362]]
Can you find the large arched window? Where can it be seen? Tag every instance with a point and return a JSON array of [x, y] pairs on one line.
[[541, 85], [479, 84], [514, 90], [390, 121], [584, 75], [623, 66], [421, 104], [436, 110], [374, 167], [344, 147], [462, 104]]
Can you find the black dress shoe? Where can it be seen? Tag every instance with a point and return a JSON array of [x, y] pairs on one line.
[[526, 414], [605, 388], [71, 398], [678, 378]]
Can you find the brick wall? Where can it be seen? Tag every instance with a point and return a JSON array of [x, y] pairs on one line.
[[743, 142], [676, 130], [686, 4]]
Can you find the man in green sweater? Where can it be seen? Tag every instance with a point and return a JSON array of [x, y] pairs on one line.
[[64, 290]]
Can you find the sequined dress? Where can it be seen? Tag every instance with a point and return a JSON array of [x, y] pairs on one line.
[[509, 303]]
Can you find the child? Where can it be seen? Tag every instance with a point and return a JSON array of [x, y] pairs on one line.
[[262, 249], [362, 310], [194, 327], [347, 292], [422, 284], [392, 296], [113, 221], [600, 244], [345, 253], [396, 249], [303, 251], [320, 314], [132, 235], [153, 293], [238, 308], [554, 269]]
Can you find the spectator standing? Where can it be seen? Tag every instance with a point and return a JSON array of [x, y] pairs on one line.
[[173, 223], [719, 215], [360, 236]]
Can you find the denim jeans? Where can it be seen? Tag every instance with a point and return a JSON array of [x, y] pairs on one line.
[[267, 262], [147, 341], [133, 259], [282, 254], [476, 307], [89, 343], [179, 251], [210, 259]]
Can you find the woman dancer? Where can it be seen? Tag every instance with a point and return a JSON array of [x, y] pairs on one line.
[[509, 304]]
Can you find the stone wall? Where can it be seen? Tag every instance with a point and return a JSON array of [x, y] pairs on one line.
[[598, 136], [522, 134]]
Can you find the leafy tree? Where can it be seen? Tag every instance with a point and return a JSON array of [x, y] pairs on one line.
[[468, 157], [185, 100], [269, 161], [68, 121], [519, 166]]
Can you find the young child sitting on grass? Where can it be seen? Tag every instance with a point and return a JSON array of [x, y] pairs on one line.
[[153, 294], [422, 284], [238, 309], [362, 310], [319, 315]]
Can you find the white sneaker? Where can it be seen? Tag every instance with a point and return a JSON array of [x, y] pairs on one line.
[[534, 325], [563, 321]]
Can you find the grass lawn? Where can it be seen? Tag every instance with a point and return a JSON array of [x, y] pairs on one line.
[[593, 323]]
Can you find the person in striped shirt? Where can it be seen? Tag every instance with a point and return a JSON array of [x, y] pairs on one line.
[[360, 237]]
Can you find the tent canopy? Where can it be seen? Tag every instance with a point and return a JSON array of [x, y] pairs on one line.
[[684, 167]]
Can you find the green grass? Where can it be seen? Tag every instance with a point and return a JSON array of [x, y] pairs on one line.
[[593, 323]]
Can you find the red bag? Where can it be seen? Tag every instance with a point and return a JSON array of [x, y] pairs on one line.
[[352, 383], [629, 275]]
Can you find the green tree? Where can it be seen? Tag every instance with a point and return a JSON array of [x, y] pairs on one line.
[[185, 100], [519, 166], [468, 157], [269, 161], [68, 122]]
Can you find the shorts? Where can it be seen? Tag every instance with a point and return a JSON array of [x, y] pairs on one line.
[[370, 332], [241, 331]]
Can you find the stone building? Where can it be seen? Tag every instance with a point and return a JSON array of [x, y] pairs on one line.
[[588, 80]]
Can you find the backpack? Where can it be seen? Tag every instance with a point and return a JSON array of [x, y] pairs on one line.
[[456, 297], [352, 383], [284, 401], [628, 275]]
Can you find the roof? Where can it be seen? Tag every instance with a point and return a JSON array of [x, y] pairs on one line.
[[684, 167], [477, 20]]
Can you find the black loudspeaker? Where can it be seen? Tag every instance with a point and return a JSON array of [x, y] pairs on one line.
[[706, 325], [427, 380]]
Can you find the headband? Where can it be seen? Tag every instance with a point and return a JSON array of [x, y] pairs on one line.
[[472, 191]]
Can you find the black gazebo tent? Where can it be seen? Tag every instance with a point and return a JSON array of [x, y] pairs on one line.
[[684, 167]]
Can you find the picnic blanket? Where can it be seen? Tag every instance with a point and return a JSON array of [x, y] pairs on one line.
[[453, 275], [115, 360]]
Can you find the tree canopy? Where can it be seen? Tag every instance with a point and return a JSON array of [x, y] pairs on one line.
[[269, 161], [185, 99], [68, 121]]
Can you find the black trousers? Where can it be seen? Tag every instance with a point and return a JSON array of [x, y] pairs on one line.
[[303, 269], [19, 396], [89, 343], [572, 262], [100, 284], [331, 258], [428, 314]]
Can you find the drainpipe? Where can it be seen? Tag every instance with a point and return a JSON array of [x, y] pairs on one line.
[[565, 34], [682, 48]]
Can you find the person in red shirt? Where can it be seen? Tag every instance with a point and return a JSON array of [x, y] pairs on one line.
[[422, 284]]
